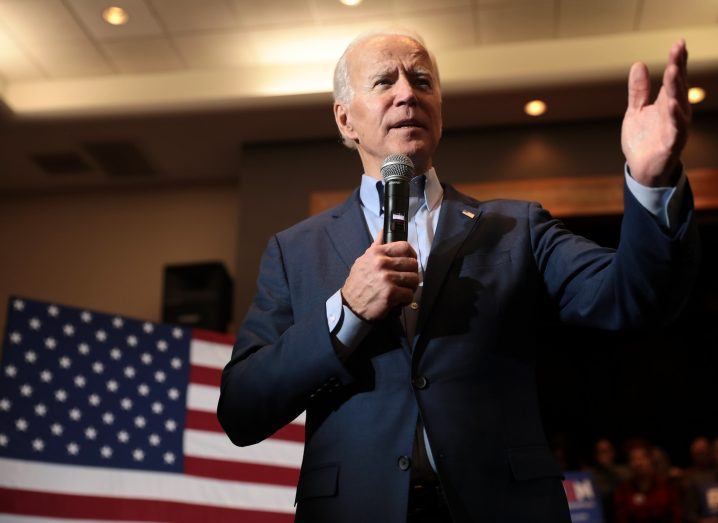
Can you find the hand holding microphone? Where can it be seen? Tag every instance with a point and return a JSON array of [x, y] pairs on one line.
[[387, 274]]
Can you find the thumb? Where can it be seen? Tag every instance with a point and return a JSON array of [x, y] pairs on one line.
[[379, 240], [639, 86]]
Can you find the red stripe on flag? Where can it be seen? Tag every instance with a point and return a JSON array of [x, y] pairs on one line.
[[215, 337], [95, 507], [205, 375], [201, 420], [238, 471]]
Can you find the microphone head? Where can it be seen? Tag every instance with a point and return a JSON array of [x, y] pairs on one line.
[[397, 167]]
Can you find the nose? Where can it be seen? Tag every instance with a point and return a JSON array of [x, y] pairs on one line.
[[404, 92]]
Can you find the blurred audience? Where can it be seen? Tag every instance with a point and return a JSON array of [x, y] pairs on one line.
[[697, 477], [645, 497], [606, 472]]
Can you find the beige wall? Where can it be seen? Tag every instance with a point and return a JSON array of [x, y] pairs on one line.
[[106, 250]]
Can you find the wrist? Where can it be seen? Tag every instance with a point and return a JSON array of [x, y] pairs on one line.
[[352, 309]]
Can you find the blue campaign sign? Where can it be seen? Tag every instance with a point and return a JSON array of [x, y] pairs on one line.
[[583, 500], [709, 499]]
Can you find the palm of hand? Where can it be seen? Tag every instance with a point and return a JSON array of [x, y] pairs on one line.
[[650, 140]]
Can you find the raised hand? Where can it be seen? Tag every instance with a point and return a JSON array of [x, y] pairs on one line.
[[385, 276], [653, 135]]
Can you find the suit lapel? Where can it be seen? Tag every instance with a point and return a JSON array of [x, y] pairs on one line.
[[457, 218], [348, 231]]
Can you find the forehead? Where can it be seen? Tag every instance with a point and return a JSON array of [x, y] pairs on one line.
[[388, 51]]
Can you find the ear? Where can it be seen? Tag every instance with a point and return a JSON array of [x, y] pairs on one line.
[[343, 121]]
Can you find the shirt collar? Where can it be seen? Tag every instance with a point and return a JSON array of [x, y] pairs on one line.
[[369, 196]]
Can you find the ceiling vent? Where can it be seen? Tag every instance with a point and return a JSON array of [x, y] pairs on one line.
[[119, 159], [61, 163]]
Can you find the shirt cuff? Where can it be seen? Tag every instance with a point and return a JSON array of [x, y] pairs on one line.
[[347, 329], [662, 202]]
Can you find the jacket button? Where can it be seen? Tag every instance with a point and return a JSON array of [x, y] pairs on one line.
[[420, 382], [404, 462]]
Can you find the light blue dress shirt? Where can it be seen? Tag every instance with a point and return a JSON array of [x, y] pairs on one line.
[[348, 330]]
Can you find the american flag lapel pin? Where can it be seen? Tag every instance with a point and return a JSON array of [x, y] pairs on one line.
[[468, 214]]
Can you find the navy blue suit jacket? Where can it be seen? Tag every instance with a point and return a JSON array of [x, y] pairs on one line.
[[487, 282]]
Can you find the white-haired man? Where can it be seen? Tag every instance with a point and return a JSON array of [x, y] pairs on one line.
[[431, 415]]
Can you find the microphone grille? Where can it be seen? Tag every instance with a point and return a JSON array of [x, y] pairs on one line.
[[397, 167]]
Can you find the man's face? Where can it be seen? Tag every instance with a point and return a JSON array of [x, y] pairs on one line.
[[396, 107]]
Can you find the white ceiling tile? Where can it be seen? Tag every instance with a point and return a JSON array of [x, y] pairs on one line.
[[516, 21], [191, 15], [14, 64], [588, 17], [214, 50], [141, 20], [303, 45], [665, 14], [408, 6], [444, 30], [252, 13], [327, 10], [71, 58], [39, 21], [143, 55]]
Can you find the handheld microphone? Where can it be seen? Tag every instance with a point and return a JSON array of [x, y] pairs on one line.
[[397, 171]]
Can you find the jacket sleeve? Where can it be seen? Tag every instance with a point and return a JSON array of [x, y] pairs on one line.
[[645, 282], [279, 364]]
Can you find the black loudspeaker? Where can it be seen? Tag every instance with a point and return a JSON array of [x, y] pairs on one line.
[[197, 295]]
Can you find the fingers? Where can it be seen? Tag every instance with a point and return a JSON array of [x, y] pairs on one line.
[[399, 249], [639, 86], [675, 77], [407, 280]]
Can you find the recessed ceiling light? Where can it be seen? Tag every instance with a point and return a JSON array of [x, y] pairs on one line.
[[696, 95], [115, 15], [535, 107], [351, 3]]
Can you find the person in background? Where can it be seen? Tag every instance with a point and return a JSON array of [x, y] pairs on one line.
[[701, 472], [607, 473], [645, 497]]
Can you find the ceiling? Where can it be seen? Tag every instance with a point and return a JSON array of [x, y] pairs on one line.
[[185, 81]]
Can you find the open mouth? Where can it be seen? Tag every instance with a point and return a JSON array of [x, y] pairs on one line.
[[408, 124]]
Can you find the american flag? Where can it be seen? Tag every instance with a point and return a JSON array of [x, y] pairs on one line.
[[108, 418]]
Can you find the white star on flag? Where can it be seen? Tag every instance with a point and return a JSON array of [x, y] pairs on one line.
[[30, 356], [86, 317], [115, 353], [106, 452], [65, 362], [83, 348], [68, 330], [129, 371], [98, 367], [154, 440], [5, 404], [3, 440], [108, 418], [26, 390], [132, 341], [79, 381], [146, 358], [123, 436], [40, 409], [126, 403], [75, 414], [161, 345], [160, 376], [46, 376], [73, 448], [53, 311], [157, 407], [18, 305], [177, 333], [10, 371], [35, 324], [112, 386], [100, 335], [50, 343], [143, 389], [21, 424], [147, 327], [117, 322], [170, 425], [94, 400], [138, 455], [56, 429], [38, 445], [60, 395], [90, 433], [15, 337]]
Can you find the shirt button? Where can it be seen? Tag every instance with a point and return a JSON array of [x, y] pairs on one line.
[[420, 382], [414, 305], [404, 462]]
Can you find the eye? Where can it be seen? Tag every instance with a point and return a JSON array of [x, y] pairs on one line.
[[382, 81]]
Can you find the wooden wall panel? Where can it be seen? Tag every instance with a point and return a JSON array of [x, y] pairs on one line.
[[564, 197]]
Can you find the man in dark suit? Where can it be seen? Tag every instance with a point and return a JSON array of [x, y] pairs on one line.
[[415, 360]]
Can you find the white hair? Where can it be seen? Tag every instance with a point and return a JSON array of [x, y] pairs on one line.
[[343, 92]]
